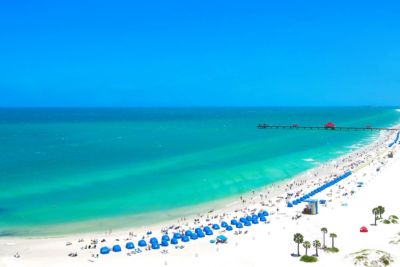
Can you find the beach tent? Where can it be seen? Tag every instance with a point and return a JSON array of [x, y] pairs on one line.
[[229, 228], [116, 248], [104, 250], [142, 243], [174, 241], [185, 238], [129, 245], [215, 226], [164, 243]]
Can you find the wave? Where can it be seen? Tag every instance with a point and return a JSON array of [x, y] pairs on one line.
[[309, 159]]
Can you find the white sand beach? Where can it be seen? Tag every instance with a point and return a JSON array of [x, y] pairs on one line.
[[349, 207]]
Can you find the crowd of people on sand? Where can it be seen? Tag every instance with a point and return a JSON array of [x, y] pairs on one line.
[[274, 197]]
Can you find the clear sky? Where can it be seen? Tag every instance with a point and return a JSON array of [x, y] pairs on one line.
[[199, 53]]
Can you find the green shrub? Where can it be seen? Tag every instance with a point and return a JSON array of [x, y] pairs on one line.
[[386, 222], [394, 221], [393, 217], [308, 258], [332, 250]]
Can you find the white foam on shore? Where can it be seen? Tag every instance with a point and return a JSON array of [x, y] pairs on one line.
[[309, 159], [398, 110]]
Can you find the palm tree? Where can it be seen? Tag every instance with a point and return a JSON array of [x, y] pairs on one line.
[[324, 231], [375, 211], [381, 210], [333, 236], [306, 245], [316, 245], [298, 238]]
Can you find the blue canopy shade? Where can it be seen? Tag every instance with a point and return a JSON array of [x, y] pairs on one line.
[[174, 241], [142, 243], [247, 223], [185, 238], [153, 240], [255, 221], [193, 237], [207, 228], [155, 246], [224, 224], [234, 222], [165, 237], [229, 228], [116, 248], [248, 217], [290, 205], [164, 243], [215, 226], [129, 245], [239, 225], [104, 250], [263, 219], [242, 219]]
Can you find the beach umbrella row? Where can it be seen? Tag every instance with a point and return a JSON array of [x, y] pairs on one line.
[[319, 189], [190, 235], [395, 140]]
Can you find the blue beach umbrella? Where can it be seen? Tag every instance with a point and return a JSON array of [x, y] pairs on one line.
[[104, 250], [116, 248], [263, 219], [234, 222], [193, 237], [239, 225], [188, 233], [153, 240], [229, 228], [177, 235], [129, 245], [209, 232], [165, 237], [200, 234], [142, 243], [224, 224], [164, 243], [215, 226], [255, 221], [174, 241], [247, 223], [155, 246], [290, 205], [185, 238]]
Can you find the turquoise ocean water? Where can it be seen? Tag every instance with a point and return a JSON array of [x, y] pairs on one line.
[[63, 167]]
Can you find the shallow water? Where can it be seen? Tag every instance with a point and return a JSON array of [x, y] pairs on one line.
[[62, 166]]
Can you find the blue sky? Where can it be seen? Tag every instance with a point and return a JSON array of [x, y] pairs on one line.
[[199, 53]]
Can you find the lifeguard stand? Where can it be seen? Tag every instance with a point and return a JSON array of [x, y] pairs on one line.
[[312, 207]]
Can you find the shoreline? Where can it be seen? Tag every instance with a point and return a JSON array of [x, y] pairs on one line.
[[364, 161], [324, 170]]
